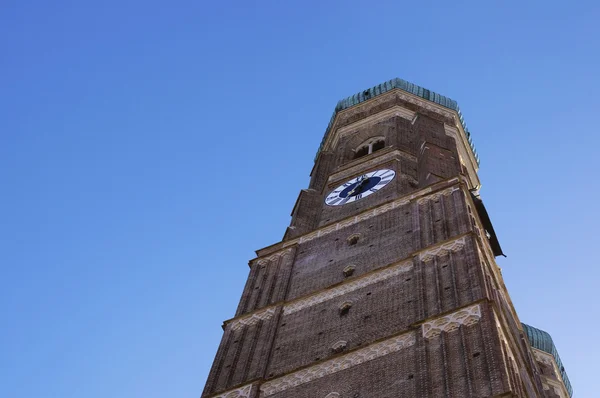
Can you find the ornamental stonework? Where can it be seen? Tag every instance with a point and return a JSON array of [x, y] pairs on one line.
[[252, 319], [449, 323], [242, 392], [338, 364], [273, 257], [380, 210], [450, 247], [348, 287]]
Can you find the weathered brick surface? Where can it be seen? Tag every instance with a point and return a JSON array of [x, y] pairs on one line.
[[267, 283], [388, 377], [461, 363], [242, 356], [383, 240], [379, 310], [269, 338]]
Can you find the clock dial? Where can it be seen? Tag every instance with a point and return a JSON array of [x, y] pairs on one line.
[[360, 187]]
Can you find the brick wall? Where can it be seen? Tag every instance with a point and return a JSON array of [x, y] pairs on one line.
[[321, 316]]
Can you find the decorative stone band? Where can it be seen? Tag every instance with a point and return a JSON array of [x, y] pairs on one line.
[[353, 220], [353, 170], [330, 140], [387, 114], [376, 211], [338, 364], [450, 247], [544, 357], [384, 115], [274, 257], [449, 323], [348, 287], [427, 105], [252, 319], [437, 195], [242, 392]]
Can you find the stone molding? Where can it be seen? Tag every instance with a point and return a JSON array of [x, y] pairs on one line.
[[376, 211], [242, 392], [273, 257], [430, 106], [365, 280], [363, 167], [395, 110], [354, 219], [544, 357], [348, 287], [380, 99], [252, 319], [437, 195], [337, 364], [449, 323], [442, 250]]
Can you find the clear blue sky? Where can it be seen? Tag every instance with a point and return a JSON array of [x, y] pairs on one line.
[[148, 148]]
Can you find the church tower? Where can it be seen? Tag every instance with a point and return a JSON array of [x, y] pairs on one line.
[[385, 283]]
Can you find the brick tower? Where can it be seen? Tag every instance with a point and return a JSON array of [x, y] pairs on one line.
[[385, 283]]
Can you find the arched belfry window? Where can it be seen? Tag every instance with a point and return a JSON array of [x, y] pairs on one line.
[[369, 146]]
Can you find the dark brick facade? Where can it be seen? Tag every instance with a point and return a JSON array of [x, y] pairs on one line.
[[321, 316]]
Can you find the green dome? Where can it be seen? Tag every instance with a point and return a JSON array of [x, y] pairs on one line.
[[542, 341]]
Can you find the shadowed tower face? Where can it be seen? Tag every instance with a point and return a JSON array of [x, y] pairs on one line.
[[385, 283]]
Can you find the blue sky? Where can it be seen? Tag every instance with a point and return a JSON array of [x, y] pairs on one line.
[[147, 149]]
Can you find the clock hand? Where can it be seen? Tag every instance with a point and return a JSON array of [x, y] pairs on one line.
[[358, 186]]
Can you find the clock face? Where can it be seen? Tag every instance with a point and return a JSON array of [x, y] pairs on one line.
[[360, 187]]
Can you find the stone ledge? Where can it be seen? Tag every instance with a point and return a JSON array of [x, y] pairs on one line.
[[440, 186]]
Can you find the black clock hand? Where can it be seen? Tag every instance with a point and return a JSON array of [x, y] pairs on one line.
[[358, 186]]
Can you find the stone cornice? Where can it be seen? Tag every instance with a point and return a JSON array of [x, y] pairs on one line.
[[353, 169], [274, 256], [448, 323], [395, 110], [442, 249], [241, 392], [254, 317]]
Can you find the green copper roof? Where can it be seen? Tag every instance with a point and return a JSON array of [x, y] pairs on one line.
[[542, 341], [403, 85]]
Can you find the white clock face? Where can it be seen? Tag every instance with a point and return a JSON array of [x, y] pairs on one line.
[[360, 187]]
